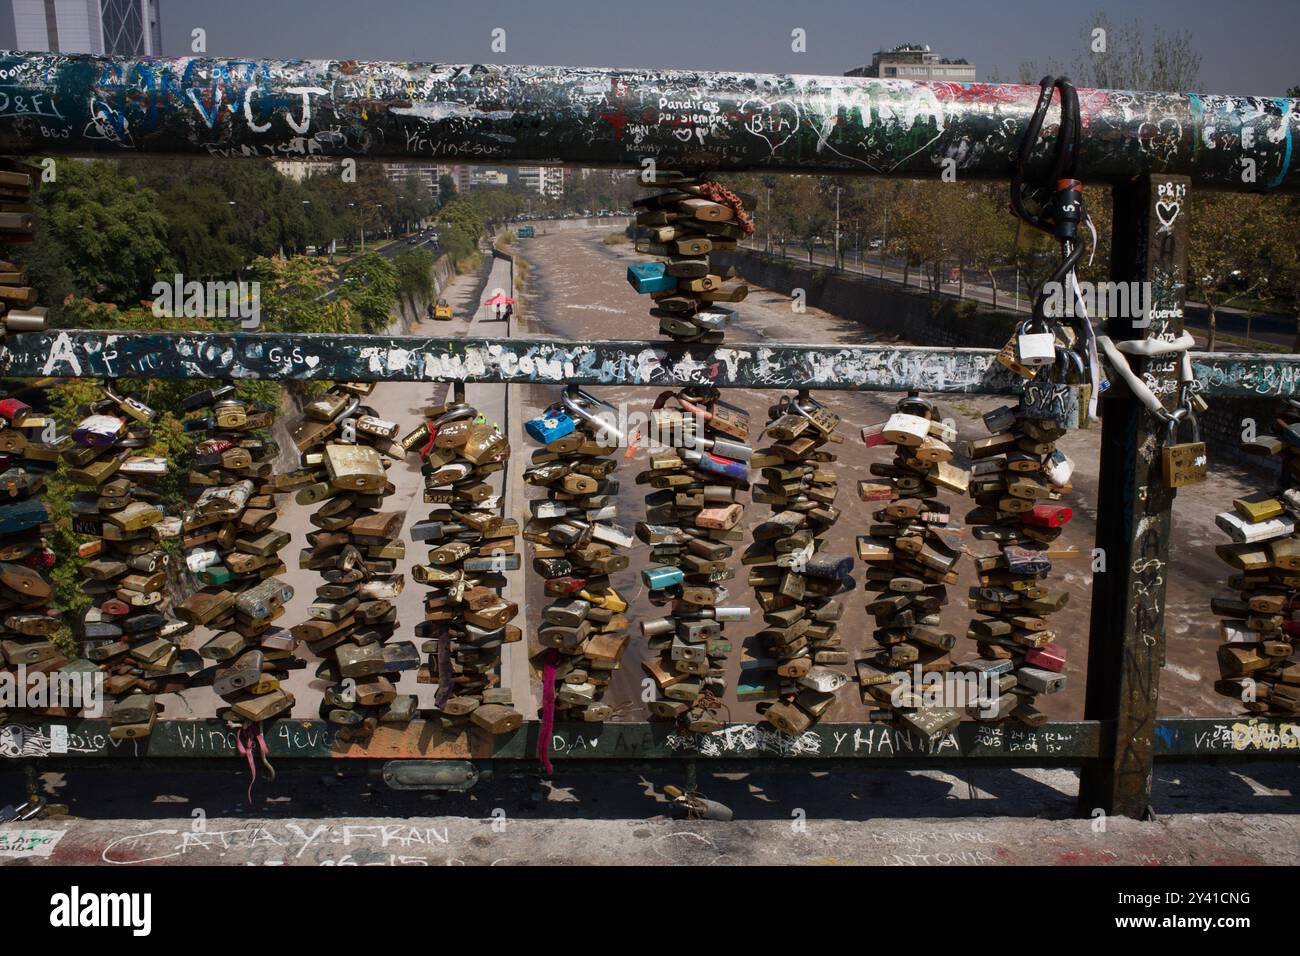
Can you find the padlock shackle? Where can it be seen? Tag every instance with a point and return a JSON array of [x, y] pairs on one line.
[[1176, 418], [915, 405], [348, 409], [454, 414], [573, 398]]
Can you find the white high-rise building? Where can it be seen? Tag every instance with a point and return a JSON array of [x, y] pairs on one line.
[[543, 180], [114, 27]]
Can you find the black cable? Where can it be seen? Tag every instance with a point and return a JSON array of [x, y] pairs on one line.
[[1046, 194]]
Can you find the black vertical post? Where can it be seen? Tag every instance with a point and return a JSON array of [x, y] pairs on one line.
[[1127, 641]]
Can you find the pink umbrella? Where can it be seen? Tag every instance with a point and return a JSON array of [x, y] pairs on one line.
[[499, 299]]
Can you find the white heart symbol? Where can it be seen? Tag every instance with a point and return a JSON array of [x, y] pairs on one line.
[[1167, 212], [312, 361]]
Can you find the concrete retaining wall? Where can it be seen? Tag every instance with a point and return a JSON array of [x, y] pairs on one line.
[[886, 309]]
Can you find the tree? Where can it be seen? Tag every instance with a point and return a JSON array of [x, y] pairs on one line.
[[1280, 251], [369, 289], [294, 296], [414, 202], [1223, 255], [108, 229], [1165, 61], [415, 276], [446, 190], [983, 232]]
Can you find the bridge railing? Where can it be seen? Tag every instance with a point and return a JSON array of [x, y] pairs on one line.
[[1154, 149]]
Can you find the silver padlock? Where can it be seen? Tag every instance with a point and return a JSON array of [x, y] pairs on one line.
[[1034, 349], [600, 415]]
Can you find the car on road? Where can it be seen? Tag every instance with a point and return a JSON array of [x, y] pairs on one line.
[[442, 311]]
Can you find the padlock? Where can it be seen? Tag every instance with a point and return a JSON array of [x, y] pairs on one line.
[[656, 578], [555, 423], [905, 429], [1035, 349], [1183, 463], [647, 277], [354, 467], [1049, 396], [599, 415]]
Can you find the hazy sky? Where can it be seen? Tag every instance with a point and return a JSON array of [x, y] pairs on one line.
[[1247, 47]]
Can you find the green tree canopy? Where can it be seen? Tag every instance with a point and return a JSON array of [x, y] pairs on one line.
[[108, 230]]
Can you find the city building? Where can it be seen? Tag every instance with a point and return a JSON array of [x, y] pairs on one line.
[[300, 169], [115, 27], [426, 173], [543, 180], [912, 61], [530, 178], [553, 179]]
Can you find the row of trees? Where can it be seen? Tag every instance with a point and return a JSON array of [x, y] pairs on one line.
[[110, 229], [1243, 248]]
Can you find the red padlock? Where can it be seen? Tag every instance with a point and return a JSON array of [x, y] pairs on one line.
[[1049, 658], [11, 408], [874, 435], [1048, 516], [115, 608], [564, 586]]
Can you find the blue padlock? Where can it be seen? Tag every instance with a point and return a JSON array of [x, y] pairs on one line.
[[554, 424], [661, 577], [650, 277]]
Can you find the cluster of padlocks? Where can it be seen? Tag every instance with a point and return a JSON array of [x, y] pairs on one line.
[[27, 623], [1018, 479], [346, 449], [28, 452], [18, 309], [127, 629], [911, 554], [796, 583], [692, 514], [690, 525], [472, 546], [232, 548], [1258, 627], [689, 218], [577, 545]]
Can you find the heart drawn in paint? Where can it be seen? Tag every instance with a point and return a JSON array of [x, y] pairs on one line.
[[312, 361], [1167, 212]]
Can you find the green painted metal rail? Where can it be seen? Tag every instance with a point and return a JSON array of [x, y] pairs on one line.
[[487, 113], [1068, 743], [173, 355]]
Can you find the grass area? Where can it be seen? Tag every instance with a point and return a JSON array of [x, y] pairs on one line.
[[1255, 345], [1251, 303]]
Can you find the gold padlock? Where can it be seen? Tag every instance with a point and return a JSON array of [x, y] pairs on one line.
[[354, 467], [1184, 463]]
